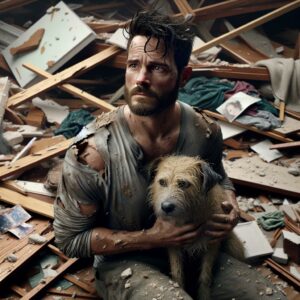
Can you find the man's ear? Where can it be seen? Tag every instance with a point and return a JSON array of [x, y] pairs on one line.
[[185, 75]]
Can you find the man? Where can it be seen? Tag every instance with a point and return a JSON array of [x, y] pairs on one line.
[[102, 206]]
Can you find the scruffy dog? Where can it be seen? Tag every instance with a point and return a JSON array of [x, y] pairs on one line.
[[186, 190]]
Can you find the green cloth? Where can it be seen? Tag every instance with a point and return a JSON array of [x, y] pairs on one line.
[[74, 122], [272, 220], [204, 93]]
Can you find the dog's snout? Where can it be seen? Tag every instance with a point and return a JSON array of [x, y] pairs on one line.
[[167, 207]]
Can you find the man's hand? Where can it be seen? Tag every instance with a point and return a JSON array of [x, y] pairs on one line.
[[220, 225], [165, 234]]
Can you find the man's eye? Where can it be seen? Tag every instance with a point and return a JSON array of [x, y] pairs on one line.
[[162, 182], [183, 184], [132, 66], [158, 68]]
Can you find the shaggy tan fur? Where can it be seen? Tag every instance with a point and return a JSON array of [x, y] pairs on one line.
[[186, 190]]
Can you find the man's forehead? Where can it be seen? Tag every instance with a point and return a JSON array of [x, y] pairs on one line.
[[155, 48], [153, 45]]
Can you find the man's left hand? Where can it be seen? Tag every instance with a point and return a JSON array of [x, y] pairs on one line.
[[220, 225]]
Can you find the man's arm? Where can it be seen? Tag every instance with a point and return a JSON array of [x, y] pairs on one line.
[[77, 210], [162, 234]]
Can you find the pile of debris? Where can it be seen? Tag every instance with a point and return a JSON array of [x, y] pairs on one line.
[[61, 66]]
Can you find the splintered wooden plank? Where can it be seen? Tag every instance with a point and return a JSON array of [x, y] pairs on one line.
[[34, 159], [255, 23], [22, 249], [183, 7], [255, 173], [62, 76], [232, 71], [88, 98], [48, 280], [28, 203], [286, 145], [12, 4], [270, 133]]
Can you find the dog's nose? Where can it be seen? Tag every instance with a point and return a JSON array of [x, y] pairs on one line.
[[167, 207]]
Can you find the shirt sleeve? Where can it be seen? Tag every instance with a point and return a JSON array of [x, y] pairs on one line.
[[79, 184]]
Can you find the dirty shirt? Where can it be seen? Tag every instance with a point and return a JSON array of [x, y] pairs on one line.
[[120, 191]]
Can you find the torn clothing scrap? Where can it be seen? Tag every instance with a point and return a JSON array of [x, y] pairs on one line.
[[74, 122], [285, 80], [272, 220]]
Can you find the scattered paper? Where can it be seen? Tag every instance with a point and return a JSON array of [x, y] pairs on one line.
[[229, 130], [264, 151], [54, 112]]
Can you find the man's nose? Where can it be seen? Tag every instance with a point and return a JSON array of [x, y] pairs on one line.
[[142, 78]]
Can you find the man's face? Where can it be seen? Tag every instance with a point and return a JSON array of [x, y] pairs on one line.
[[151, 80]]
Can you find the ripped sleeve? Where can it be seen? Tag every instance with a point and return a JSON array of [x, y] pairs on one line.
[[215, 157], [80, 184]]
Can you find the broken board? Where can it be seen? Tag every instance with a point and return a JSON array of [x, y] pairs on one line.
[[65, 35], [254, 172]]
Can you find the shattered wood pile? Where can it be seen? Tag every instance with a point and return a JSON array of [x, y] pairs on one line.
[[70, 58]]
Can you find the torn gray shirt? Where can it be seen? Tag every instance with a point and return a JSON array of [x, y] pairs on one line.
[[120, 191]]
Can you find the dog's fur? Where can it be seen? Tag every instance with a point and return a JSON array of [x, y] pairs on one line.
[[186, 190]]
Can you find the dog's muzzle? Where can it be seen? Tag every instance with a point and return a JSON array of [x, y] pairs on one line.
[[167, 207]]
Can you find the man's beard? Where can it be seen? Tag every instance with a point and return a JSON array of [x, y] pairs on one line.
[[160, 102]]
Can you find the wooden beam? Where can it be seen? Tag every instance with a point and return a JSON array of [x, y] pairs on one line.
[[13, 4], [283, 272], [184, 7], [62, 76], [88, 98], [34, 159], [232, 71], [22, 249], [269, 133], [29, 203], [259, 21], [253, 172], [286, 145], [47, 281]]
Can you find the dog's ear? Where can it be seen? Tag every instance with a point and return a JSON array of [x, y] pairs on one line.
[[210, 177], [152, 168]]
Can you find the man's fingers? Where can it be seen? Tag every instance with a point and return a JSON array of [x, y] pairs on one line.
[[226, 219]]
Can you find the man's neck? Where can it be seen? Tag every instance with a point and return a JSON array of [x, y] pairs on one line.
[[156, 134], [155, 126]]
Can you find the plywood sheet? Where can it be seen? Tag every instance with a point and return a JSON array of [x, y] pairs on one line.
[[254, 172], [289, 125], [65, 35]]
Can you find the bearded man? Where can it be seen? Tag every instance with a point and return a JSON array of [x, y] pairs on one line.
[[102, 208]]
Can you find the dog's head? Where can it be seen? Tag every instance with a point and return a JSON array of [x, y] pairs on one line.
[[180, 185]]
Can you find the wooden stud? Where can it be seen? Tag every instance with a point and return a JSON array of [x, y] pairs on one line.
[[259, 21], [29, 203], [34, 159], [88, 98], [62, 76]]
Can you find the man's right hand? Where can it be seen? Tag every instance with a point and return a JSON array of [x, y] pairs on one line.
[[165, 233]]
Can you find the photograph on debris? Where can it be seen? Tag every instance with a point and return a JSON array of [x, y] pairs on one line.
[[150, 149]]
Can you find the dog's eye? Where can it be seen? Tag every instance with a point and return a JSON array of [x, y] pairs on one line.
[[162, 182], [183, 184]]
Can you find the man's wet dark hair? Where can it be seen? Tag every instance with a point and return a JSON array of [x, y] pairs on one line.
[[176, 34]]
